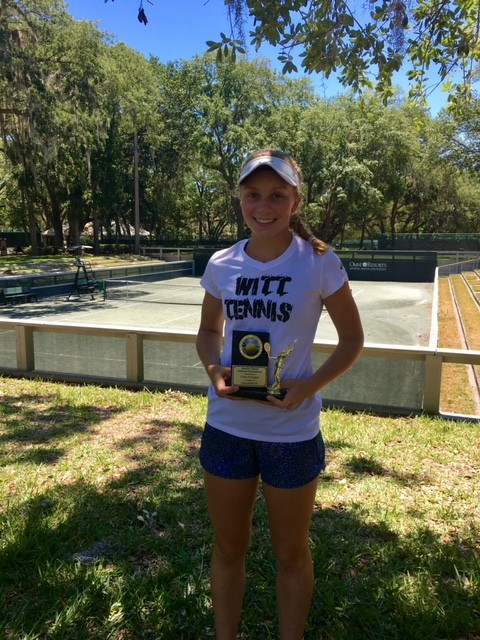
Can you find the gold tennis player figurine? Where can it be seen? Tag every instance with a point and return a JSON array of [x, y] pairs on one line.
[[274, 389]]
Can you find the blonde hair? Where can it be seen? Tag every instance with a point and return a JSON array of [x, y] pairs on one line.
[[298, 224]]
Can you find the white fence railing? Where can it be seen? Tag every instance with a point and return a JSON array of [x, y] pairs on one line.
[[387, 378], [167, 253], [458, 267]]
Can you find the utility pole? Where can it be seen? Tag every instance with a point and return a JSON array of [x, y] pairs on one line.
[[135, 179]]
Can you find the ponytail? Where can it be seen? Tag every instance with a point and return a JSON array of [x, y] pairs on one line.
[[299, 226]]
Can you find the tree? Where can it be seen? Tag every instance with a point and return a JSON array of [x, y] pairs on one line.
[[454, 163], [462, 137], [130, 104], [49, 118], [72, 132], [366, 43], [370, 169], [173, 163], [25, 28], [338, 176], [234, 107], [70, 105]]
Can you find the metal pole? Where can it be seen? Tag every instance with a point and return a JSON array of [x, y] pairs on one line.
[[137, 197]]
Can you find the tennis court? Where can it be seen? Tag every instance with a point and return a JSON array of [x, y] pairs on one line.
[[392, 312]]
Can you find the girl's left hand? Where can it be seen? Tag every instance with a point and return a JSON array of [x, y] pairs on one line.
[[296, 392]]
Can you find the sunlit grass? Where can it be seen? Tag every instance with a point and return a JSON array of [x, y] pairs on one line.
[[105, 534], [22, 265], [469, 309], [456, 391]]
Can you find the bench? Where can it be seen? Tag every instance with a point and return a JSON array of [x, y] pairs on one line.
[[15, 295]]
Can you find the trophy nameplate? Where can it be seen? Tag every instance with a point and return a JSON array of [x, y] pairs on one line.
[[250, 365]]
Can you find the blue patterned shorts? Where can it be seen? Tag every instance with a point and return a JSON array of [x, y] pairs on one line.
[[285, 465]]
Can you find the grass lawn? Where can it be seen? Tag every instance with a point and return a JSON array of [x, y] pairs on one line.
[[457, 395], [104, 532], [26, 265]]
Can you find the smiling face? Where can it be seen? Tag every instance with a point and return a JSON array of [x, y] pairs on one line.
[[267, 203]]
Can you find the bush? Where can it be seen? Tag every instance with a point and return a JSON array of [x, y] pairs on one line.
[[114, 249], [49, 251]]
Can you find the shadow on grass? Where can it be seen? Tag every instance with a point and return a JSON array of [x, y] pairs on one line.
[[59, 305], [35, 421], [367, 465], [79, 562], [129, 560], [372, 583]]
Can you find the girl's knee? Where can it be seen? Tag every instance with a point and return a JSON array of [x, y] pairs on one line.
[[230, 553], [294, 560]]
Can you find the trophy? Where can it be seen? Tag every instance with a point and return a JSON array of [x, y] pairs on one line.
[[251, 356], [274, 389]]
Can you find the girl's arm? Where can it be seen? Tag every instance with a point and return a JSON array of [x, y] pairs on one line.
[[209, 344], [344, 314]]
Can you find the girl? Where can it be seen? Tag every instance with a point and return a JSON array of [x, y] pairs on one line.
[[275, 282]]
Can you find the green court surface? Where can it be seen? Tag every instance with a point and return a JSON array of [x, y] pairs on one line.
[[392, 312]]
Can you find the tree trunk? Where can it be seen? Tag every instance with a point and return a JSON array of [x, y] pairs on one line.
[[239, 219], [32, 224], [96, 243]]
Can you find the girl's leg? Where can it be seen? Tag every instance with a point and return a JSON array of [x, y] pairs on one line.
[[290, 513], [230, 504]]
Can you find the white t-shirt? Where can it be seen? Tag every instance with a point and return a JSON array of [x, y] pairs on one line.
[[284, 298]]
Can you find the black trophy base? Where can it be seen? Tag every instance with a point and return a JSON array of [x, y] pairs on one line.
[[257, 393]]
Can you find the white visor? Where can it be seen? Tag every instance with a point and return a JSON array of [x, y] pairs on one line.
[[283, 168]]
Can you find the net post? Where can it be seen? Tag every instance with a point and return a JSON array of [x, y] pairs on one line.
[[102, 288]]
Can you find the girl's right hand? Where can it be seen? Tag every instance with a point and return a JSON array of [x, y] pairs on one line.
[[220, 377]]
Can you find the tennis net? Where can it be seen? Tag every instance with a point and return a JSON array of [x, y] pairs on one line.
[[163, 292]]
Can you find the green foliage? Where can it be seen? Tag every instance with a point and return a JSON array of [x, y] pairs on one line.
[[365, 44], [71, 102], [115, 249], [368, 45], [227, 49]]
